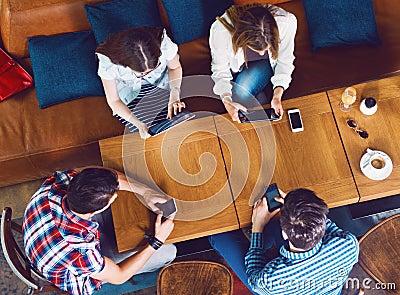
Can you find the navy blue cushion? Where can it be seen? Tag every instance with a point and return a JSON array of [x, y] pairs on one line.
[[64, 67], [118, 15], [341, 22], [191, 19]]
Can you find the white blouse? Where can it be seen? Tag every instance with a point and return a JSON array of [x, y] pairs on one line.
[[225, 61], [128, 85]]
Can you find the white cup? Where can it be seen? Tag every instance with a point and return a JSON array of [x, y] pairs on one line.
[[376, 162], [368, 106]]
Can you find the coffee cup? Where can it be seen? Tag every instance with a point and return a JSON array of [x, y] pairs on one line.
[[368, 106], [376, 162], [376, 165]]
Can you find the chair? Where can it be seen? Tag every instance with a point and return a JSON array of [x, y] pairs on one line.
[[17, 260], [194, 277], [380, 254]]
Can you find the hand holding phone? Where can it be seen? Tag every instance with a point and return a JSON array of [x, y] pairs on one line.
[[271, 193], [168, 208]]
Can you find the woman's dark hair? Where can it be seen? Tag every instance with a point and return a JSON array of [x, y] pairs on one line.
[[136, 48], [303, 218], [91, 190], [253, 25]]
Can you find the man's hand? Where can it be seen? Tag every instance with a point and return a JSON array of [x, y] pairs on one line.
[[162, 230], [261, 215], [281, 199], [151, 197], [143, 130]]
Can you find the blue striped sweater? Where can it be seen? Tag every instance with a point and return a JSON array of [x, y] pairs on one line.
[[322, 270]]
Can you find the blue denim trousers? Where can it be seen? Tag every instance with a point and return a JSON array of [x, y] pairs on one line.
[[233, 246], [250, 82]]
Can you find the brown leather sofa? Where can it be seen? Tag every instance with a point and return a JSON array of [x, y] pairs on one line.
[[34, 142]]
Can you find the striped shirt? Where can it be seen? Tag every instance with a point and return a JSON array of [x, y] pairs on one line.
[[150, 106], [64, 248], [322, 270]]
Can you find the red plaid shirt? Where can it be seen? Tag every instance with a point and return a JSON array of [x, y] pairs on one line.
[[60, 245]]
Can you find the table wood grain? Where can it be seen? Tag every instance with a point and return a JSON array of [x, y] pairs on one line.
[[313, 158], [186, 164], [384, 133]]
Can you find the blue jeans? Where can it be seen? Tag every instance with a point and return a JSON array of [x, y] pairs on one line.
[[250, 82], [233, 246]]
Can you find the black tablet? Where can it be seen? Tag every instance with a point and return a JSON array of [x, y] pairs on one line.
[[169, 123]]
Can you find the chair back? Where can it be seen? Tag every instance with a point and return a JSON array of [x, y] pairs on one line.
[[380, 253], [16, 258], [195, 277], [13, 254]]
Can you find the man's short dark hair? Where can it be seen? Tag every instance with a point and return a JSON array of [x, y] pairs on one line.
[[91, 190], [303, 218]]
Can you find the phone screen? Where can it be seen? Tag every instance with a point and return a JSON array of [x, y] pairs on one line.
[[295, 120], [168, 208], [272, 192]]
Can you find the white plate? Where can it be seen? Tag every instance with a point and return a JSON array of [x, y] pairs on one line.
[[373, 174]]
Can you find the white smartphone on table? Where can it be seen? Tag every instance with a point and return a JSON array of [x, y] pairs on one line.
[[296, 124]]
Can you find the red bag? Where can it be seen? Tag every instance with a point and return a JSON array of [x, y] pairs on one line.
[[13, 78]]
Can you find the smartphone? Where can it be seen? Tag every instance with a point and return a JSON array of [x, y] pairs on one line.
[[270, 194], [258, 115], [296, 124], [168, 208]]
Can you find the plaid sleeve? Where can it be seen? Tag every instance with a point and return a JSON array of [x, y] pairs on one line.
[[90, 262]]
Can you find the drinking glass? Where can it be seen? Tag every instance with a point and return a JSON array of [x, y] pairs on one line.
[[349, 97]]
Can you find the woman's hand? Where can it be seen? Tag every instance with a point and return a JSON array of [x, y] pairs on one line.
[[261, 216], [276, 102], [175, 108], [162, 230], [232, 108], [143, 130], [175, 105]]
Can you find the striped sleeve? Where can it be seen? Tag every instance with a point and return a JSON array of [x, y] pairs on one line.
[[255, 260]]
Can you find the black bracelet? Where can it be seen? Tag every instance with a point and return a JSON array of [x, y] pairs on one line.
[[153, 241]]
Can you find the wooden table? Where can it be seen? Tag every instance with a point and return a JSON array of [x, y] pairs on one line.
[[384, 133], [216, 168], [188, 168], [312, 159]]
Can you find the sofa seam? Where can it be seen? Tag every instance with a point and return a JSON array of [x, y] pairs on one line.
[[49, 151]]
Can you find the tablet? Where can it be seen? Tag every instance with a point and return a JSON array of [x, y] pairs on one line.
[[169, 123]]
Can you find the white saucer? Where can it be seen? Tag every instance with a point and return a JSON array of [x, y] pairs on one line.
[[373, 174]]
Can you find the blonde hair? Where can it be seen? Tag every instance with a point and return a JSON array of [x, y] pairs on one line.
[[254, 26]]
